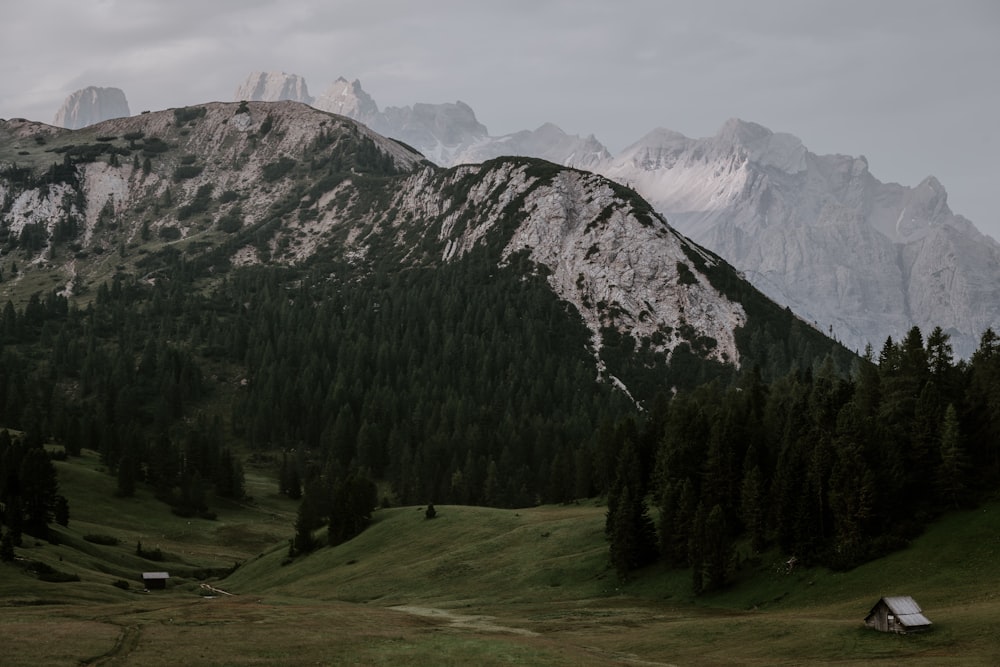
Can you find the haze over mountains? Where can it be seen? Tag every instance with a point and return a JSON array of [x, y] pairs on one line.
[[862, 259], [91, 105]]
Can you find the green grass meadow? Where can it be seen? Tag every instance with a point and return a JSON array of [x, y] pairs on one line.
[[474, 586]]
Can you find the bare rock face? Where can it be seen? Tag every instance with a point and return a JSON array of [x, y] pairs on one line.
[[91, 105], [864, 260], [447, 134], [439, 131], [273, 87], [348, 99]]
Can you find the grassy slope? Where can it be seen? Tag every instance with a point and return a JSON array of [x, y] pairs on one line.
[[481, 586]]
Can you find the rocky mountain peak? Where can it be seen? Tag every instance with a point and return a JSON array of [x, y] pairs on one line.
[[91, 105], [762, 146], [273, 87], [348, 99]]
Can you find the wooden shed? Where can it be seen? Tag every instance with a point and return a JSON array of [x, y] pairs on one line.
[[155, 580], [899, 614]]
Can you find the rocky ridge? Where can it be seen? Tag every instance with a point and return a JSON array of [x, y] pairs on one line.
[[237, 184]]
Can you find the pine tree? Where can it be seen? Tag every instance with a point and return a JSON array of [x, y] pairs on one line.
[[951, 472], [627, 524], [717, 549], [752, 507], [126, 477], [62, 511], [7, 547]]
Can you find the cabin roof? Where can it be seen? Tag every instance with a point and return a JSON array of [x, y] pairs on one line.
[[155, 575], [906, 609]]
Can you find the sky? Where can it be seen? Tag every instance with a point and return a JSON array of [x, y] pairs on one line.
[[912, 85]]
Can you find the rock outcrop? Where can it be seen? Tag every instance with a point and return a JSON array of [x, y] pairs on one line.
[[273, 87], [91, 105]]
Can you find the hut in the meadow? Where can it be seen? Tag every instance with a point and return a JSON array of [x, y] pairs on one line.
[[900, 614], [155, 580]]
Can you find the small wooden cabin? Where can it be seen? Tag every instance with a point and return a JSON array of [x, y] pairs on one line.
[[899, 614], [155, 580]]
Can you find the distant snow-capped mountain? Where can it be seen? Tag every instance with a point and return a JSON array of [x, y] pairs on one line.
[[864, 259]]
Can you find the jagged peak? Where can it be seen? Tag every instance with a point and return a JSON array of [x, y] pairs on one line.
[[762, 146], [739, 131], [273, 86], [348, 98]]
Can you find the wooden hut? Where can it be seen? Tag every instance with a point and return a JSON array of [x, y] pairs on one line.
[[899, 614], [155, 580]]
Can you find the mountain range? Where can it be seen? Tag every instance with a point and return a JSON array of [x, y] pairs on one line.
[[862, 259], [242, 184]]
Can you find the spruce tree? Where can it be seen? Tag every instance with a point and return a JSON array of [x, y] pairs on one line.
[[951, 472]]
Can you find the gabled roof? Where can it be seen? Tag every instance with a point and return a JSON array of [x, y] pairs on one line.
[[906, 609], [155, 575]]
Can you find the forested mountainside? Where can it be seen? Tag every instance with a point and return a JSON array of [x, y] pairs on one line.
[[832, 470], [191, 287]]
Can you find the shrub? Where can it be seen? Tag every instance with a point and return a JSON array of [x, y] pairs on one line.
[[266, 126], [154, 145], [169, 233], [275, 170], [187, 114], [46, 572], [231, 223], [186, 171], [685, 276], [148, 554]]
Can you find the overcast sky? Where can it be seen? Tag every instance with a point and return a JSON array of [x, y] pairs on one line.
[[912, 85]]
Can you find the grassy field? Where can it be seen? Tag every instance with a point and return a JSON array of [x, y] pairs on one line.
[[473, 586]]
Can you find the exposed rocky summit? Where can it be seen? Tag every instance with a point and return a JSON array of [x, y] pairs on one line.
[[347, 98], [91, 105], [863, 259], [273, 87]]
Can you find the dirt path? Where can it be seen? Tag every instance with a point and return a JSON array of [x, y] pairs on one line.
[[464, 622], [127, 642]]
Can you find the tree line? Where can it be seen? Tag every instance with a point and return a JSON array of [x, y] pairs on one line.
[[831, 469]]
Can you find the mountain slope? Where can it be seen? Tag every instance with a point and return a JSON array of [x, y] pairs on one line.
[[862, 259], [217, 188]]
